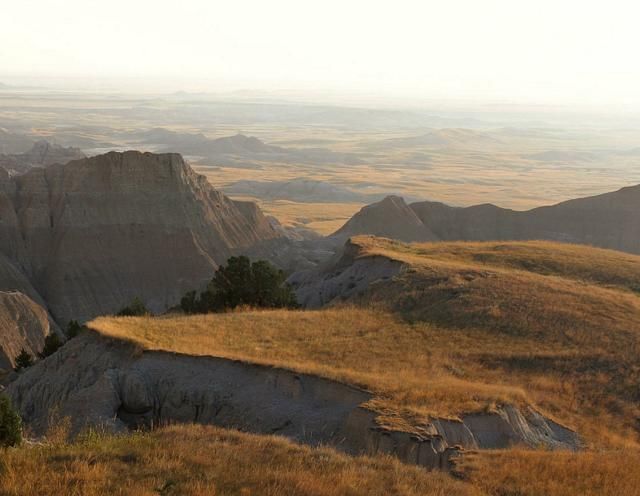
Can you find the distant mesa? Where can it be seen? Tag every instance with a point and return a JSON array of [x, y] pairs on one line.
[[199, 144], [446, 138], [563, 156], [237, 150], [611, 220]]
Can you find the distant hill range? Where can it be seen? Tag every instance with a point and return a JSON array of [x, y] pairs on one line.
[[237, 150], [300, 189], [610, 220], [41, 154]]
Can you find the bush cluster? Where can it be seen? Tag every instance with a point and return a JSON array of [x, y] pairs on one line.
[[239, 283], [10, 424]]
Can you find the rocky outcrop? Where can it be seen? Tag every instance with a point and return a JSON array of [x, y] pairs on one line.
[[391, 218], [111, 384], [608, 221], [346, 275], [24, 324], [92, 234], [41, 154]]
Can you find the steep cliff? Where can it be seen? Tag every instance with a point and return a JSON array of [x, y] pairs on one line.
[[24, 324], [94, 233]]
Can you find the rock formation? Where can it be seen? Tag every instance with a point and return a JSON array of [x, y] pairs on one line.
[[98, 382], [41, 154], [611, 220], [92, 234], [391, 218], [24, 324]]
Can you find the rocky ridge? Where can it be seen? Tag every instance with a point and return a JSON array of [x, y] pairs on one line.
[[607, 221]]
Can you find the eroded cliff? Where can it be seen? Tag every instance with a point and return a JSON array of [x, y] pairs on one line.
[[106, 383]]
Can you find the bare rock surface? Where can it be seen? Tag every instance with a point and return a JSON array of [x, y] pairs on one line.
[[24, 325], [98, 382], [344, 276]]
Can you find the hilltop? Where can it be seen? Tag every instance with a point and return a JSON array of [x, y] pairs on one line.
[[460, 328], [518, 310]]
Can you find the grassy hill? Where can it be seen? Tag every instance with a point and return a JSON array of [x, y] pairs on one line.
[[203, 460], [462, 327]]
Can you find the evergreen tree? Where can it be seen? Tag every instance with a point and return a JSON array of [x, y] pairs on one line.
[[240, 282], [136, 308], [23, 360], [73, 329], [51, 344]]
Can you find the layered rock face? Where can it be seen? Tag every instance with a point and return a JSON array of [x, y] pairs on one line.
[[610, 220], [92, 234], [24, 325], [109, 384]]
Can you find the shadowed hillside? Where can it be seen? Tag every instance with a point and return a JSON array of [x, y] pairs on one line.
[[608, 221]]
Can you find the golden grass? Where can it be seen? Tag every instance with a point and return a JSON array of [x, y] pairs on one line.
[[535, 473], [465, 336], [204, 460], [579, 262], [198, 460], [324, 218], [367, 348]]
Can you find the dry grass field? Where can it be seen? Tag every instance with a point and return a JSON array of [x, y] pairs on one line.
[[195, 460], [534, 473], [199, 461]]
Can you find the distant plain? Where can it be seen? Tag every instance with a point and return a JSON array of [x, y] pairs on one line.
[[506, 156]]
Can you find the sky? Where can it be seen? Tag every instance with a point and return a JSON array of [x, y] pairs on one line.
[[518, 50]]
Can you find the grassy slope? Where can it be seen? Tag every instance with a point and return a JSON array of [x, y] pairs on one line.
[[204, 460], [477, 334], [471, 325]]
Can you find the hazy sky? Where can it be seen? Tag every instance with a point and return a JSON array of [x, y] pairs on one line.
[[542, 50]]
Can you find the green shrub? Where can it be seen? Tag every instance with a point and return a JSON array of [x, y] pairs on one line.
[[135, 309], [241, 282], [23, 360], [10, 424], [51, 344], [73, 329], [189, 302]]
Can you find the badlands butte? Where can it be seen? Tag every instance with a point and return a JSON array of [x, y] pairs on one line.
[[437, 350]]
